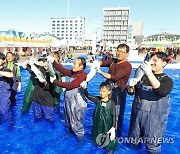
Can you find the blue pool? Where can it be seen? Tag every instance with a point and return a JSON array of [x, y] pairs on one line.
[[42, 137]]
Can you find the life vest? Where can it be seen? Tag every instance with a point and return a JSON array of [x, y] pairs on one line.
[[15, 78]]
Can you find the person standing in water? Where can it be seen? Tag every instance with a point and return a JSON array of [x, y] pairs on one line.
[[16, 76], [151, 104], [74, 99], [119, 72], [5, 89], [104, 117]]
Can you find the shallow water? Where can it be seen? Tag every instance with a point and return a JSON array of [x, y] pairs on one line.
[[42, 137]]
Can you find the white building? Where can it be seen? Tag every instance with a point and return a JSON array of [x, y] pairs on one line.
[[115, 24], [70, 29]]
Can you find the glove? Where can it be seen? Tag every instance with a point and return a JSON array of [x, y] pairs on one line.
[[98, 70], [112, 133], [132, 82], [146, 67], [96, 64], [50, 59], [83, 85], [52, 79], [19, 87]]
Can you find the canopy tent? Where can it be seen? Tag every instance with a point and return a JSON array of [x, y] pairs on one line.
[[75, 43], [176, 43], [58, 43], [163, 43], [55, 41]]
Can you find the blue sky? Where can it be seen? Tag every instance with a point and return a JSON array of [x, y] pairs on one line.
[[34, 15]]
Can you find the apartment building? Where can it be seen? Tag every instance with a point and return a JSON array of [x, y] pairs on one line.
[[115, 24], [68, 28]]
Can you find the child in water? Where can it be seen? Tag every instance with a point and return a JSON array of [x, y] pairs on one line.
[[104, 117]]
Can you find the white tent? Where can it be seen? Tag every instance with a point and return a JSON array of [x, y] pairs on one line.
[[177, 41], [75, 43], [56, 42]]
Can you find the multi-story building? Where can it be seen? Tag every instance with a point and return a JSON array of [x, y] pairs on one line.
[[115, 24], [68, 28]]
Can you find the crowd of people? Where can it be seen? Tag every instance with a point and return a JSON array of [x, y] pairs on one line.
[[172, 53], [150, 106]]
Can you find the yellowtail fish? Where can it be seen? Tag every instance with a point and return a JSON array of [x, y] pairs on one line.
[[50, 69], [139, 72]]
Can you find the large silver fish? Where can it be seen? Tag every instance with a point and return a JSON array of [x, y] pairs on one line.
[[51, 69], [93, 70], [38, 73], [139, 72]]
